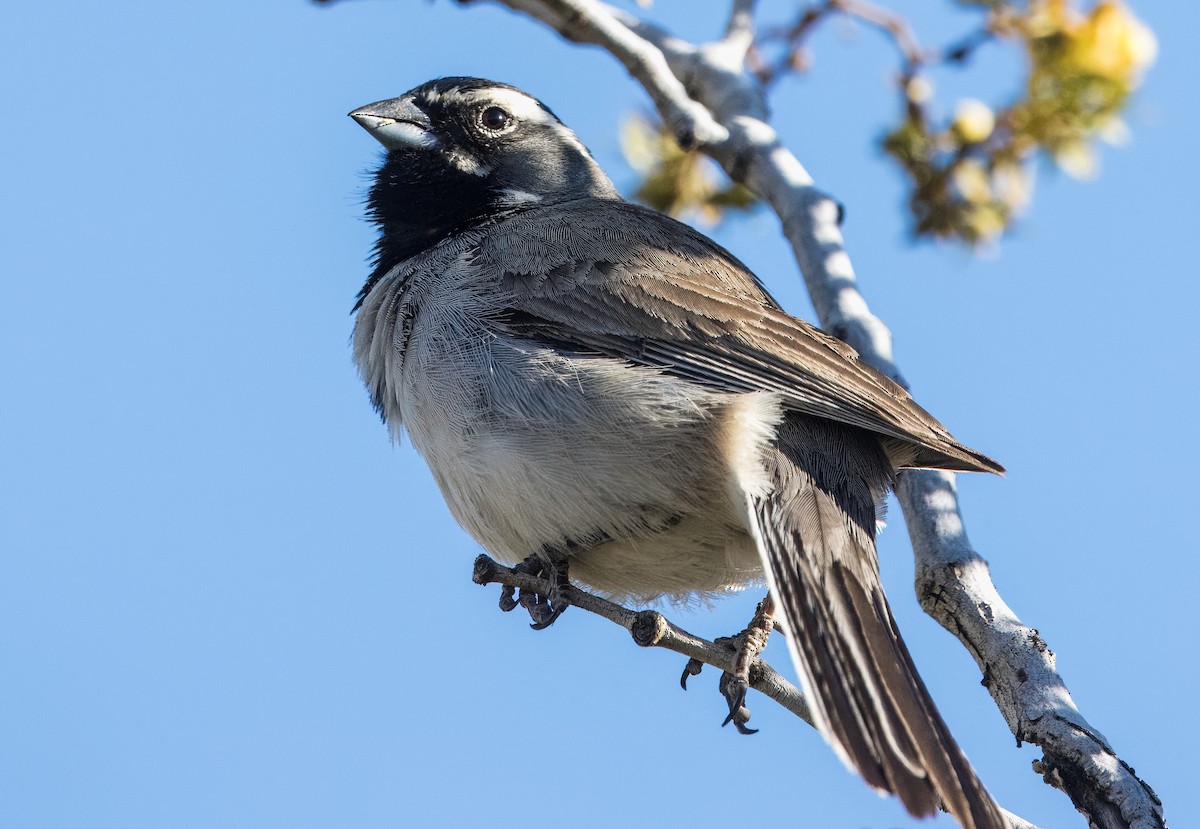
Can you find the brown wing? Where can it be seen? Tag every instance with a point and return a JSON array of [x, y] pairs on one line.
[[621, 280]]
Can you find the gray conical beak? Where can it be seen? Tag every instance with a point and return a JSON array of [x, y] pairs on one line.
[[397, 124]]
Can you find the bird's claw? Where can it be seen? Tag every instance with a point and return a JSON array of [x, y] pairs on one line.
[[543, 610], [746, 647], [692, 668], [734, 689], [508, 598]]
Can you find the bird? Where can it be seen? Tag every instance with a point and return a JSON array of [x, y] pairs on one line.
[[602, 391]]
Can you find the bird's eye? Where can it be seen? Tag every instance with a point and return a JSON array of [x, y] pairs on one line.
[[495, 118]]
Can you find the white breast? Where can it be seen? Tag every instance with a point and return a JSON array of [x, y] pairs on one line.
[[536, 448]]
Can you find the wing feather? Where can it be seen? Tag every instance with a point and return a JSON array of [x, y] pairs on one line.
[[617, 279], [815, 533]]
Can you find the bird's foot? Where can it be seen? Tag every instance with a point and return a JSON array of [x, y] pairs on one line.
[[746, 645], [543, 610]]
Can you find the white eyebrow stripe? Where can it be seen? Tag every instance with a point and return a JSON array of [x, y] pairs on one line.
[[522, 106], [527, 108]]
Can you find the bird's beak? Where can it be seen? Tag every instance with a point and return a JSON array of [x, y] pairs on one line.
[[397, 124]]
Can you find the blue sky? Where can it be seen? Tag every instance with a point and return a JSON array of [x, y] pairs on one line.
[[225, 600]]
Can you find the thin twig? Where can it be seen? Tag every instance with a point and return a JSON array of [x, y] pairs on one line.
[[649, 628], [739, 30], [914, 56]]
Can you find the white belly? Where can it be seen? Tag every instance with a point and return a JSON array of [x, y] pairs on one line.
[[624, 465]]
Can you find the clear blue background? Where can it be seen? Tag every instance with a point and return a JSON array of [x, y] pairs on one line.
[[225, 601]]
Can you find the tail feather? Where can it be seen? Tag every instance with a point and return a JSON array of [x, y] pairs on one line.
[[815, 531]]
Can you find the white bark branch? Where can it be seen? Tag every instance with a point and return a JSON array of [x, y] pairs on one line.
[[709, 101], [739, 30], [955, 588]]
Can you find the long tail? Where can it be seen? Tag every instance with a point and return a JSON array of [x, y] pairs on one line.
[[816, 534]]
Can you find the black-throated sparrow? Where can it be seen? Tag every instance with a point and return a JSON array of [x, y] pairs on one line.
[[600, 385]]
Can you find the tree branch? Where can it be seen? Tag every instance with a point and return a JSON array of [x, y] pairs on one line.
[[739, 30], [649, 628], [955, 587]]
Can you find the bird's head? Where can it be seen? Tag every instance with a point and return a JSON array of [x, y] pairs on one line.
[[461, 150]]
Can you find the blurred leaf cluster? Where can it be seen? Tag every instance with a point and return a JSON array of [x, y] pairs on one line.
[[972, 170], [973, 174], [686, 185]]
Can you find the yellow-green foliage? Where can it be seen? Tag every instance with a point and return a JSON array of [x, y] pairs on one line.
[[973, 175], [681, 184]]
